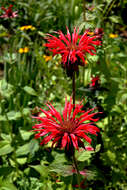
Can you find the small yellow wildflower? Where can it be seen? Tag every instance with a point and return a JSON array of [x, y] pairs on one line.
[[47, 58], [22, 28], [113, 35], [23, 50], [33, 28], [27, 27], [26, 49]]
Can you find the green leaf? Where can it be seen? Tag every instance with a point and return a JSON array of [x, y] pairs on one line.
[[2, 118], [25, 134], [6, 148], [93, 58], [84, 155], [62, 169], [4, 171], [43, 170], [13, 115], [6, 137], [115, 19], [6, 185], [111, 155], [26, 111], [30, 147], [6, 89], [22, 160], [97, 147], [30, 90]]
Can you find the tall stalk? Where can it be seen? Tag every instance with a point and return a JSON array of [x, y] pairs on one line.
[[73, 88], [73, 156], [77, 170]]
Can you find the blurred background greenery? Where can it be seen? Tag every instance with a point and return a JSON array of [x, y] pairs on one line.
[[30, 76]]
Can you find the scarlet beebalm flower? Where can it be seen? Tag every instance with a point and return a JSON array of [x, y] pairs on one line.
[[67, 130], [72, 48], [8, 12]]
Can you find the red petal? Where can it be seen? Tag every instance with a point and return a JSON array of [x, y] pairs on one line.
[[64, 140], [54, 112], [46, 139], [74, 141], [56, 140], [81, 134]]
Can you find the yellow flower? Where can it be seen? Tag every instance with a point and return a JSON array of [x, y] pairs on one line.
[[90, 33], [27, 27], [21, 50], [26, 49], [113, 35], [47, 58], [33, 28], [22, 28]]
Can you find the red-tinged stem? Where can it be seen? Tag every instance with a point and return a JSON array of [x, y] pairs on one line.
[[77, 171], [73, 87]]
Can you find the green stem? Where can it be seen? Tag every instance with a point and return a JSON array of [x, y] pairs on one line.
[[12, 139], [73, 87], [84, 10], [77, 170]]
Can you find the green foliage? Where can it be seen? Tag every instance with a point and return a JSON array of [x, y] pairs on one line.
[[28, 81]]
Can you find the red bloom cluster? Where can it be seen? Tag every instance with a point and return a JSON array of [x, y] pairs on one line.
[[72, 48], [95, 81], [66, 130], [8, 12]]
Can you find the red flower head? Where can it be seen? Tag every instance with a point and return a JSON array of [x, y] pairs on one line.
[[67, 130], [95, 81], [72, 48], [8, 12]]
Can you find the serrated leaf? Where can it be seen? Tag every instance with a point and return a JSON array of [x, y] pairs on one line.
[[30, 90]]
